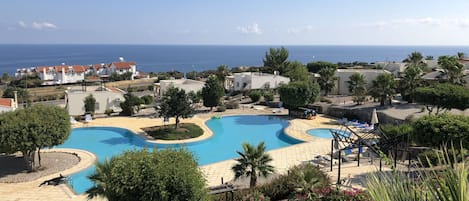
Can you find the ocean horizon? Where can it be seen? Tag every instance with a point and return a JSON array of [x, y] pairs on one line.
[[184, 58]]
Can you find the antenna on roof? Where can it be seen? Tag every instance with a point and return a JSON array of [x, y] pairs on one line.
[[121, 59]]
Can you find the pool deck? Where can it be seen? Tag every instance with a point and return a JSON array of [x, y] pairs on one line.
[[283, 158]]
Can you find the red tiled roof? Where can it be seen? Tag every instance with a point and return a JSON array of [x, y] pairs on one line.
[[123, 64], [6, 102]]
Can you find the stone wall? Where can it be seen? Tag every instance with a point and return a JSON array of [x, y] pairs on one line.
[[361, 113]]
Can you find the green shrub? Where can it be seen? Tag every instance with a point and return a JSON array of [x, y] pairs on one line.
[[435, 130], [147, 99], [221, 108], [285, 186], [166, 174], [255, 96], [268, 96], [232, 105], [429, 158]]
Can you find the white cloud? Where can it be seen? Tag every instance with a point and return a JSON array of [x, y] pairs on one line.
[[44, 25], [303, 29], [428, 21], [250, 29], [22, 24], [38, 25]]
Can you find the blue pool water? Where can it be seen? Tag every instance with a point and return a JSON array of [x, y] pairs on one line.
[[229, 133], [324, 132]]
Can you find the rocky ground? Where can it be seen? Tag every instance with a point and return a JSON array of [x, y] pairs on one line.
[[13, 169]]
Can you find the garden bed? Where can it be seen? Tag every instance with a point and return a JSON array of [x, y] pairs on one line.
[[168, 132]]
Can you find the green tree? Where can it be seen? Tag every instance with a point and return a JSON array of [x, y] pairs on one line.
[[295, 94], [176, 103], [212, 92], [357, 86], [5, 78], [221, 73], [276, 59], [90, 104], [30, 129], [131, 104], [253, 162], [410, 80], [23, 94], [453, 69], [443, 97], [461, 55], [164, 175], [429, 57], [383, 88], [296, 71], [195, 97], [315, 67], [327, 79]]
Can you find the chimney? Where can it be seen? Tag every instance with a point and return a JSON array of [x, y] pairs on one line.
[[15, 104]]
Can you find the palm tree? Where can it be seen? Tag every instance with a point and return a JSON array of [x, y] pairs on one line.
[[327, 79], [357, 86], [383, 87], [411, 79], [100, 178], [453, 69], [276, 59], [414, 58], [254, 162], [221, 73]]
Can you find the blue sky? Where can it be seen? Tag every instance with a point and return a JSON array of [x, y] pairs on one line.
[[240, 22]]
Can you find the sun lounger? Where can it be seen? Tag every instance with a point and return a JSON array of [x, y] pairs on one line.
[[72, 120], [88, 118]]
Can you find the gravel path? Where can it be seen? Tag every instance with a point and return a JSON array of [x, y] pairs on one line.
[[13, 170]]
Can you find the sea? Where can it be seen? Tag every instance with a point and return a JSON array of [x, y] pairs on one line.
[[185, 58]]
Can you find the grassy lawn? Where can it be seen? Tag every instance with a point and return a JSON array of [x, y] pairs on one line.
[[185, 131]]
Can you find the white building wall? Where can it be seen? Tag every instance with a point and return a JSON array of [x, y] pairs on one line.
[[185, 84], [104, 100], [257, 81], [343, 76], [6, 109]]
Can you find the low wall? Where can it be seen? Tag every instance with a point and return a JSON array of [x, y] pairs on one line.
[[362, 113]]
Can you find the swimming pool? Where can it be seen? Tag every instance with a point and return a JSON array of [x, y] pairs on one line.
[[229, 133], [324, 132]]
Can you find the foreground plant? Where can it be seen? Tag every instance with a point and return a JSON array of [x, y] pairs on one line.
[[445, 182]]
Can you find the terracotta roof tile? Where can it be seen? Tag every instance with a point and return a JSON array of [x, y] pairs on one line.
[[6, 102], [123, 64]]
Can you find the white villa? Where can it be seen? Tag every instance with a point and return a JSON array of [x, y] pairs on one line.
[[255, 80], [341, 87], [187, 85], [123, 67], [61, 74], [106, 98]]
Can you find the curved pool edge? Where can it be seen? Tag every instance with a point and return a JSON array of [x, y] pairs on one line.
[[87, 159]]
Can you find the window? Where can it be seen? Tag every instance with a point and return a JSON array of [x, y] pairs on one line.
[[96, 106], [237, 84]]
